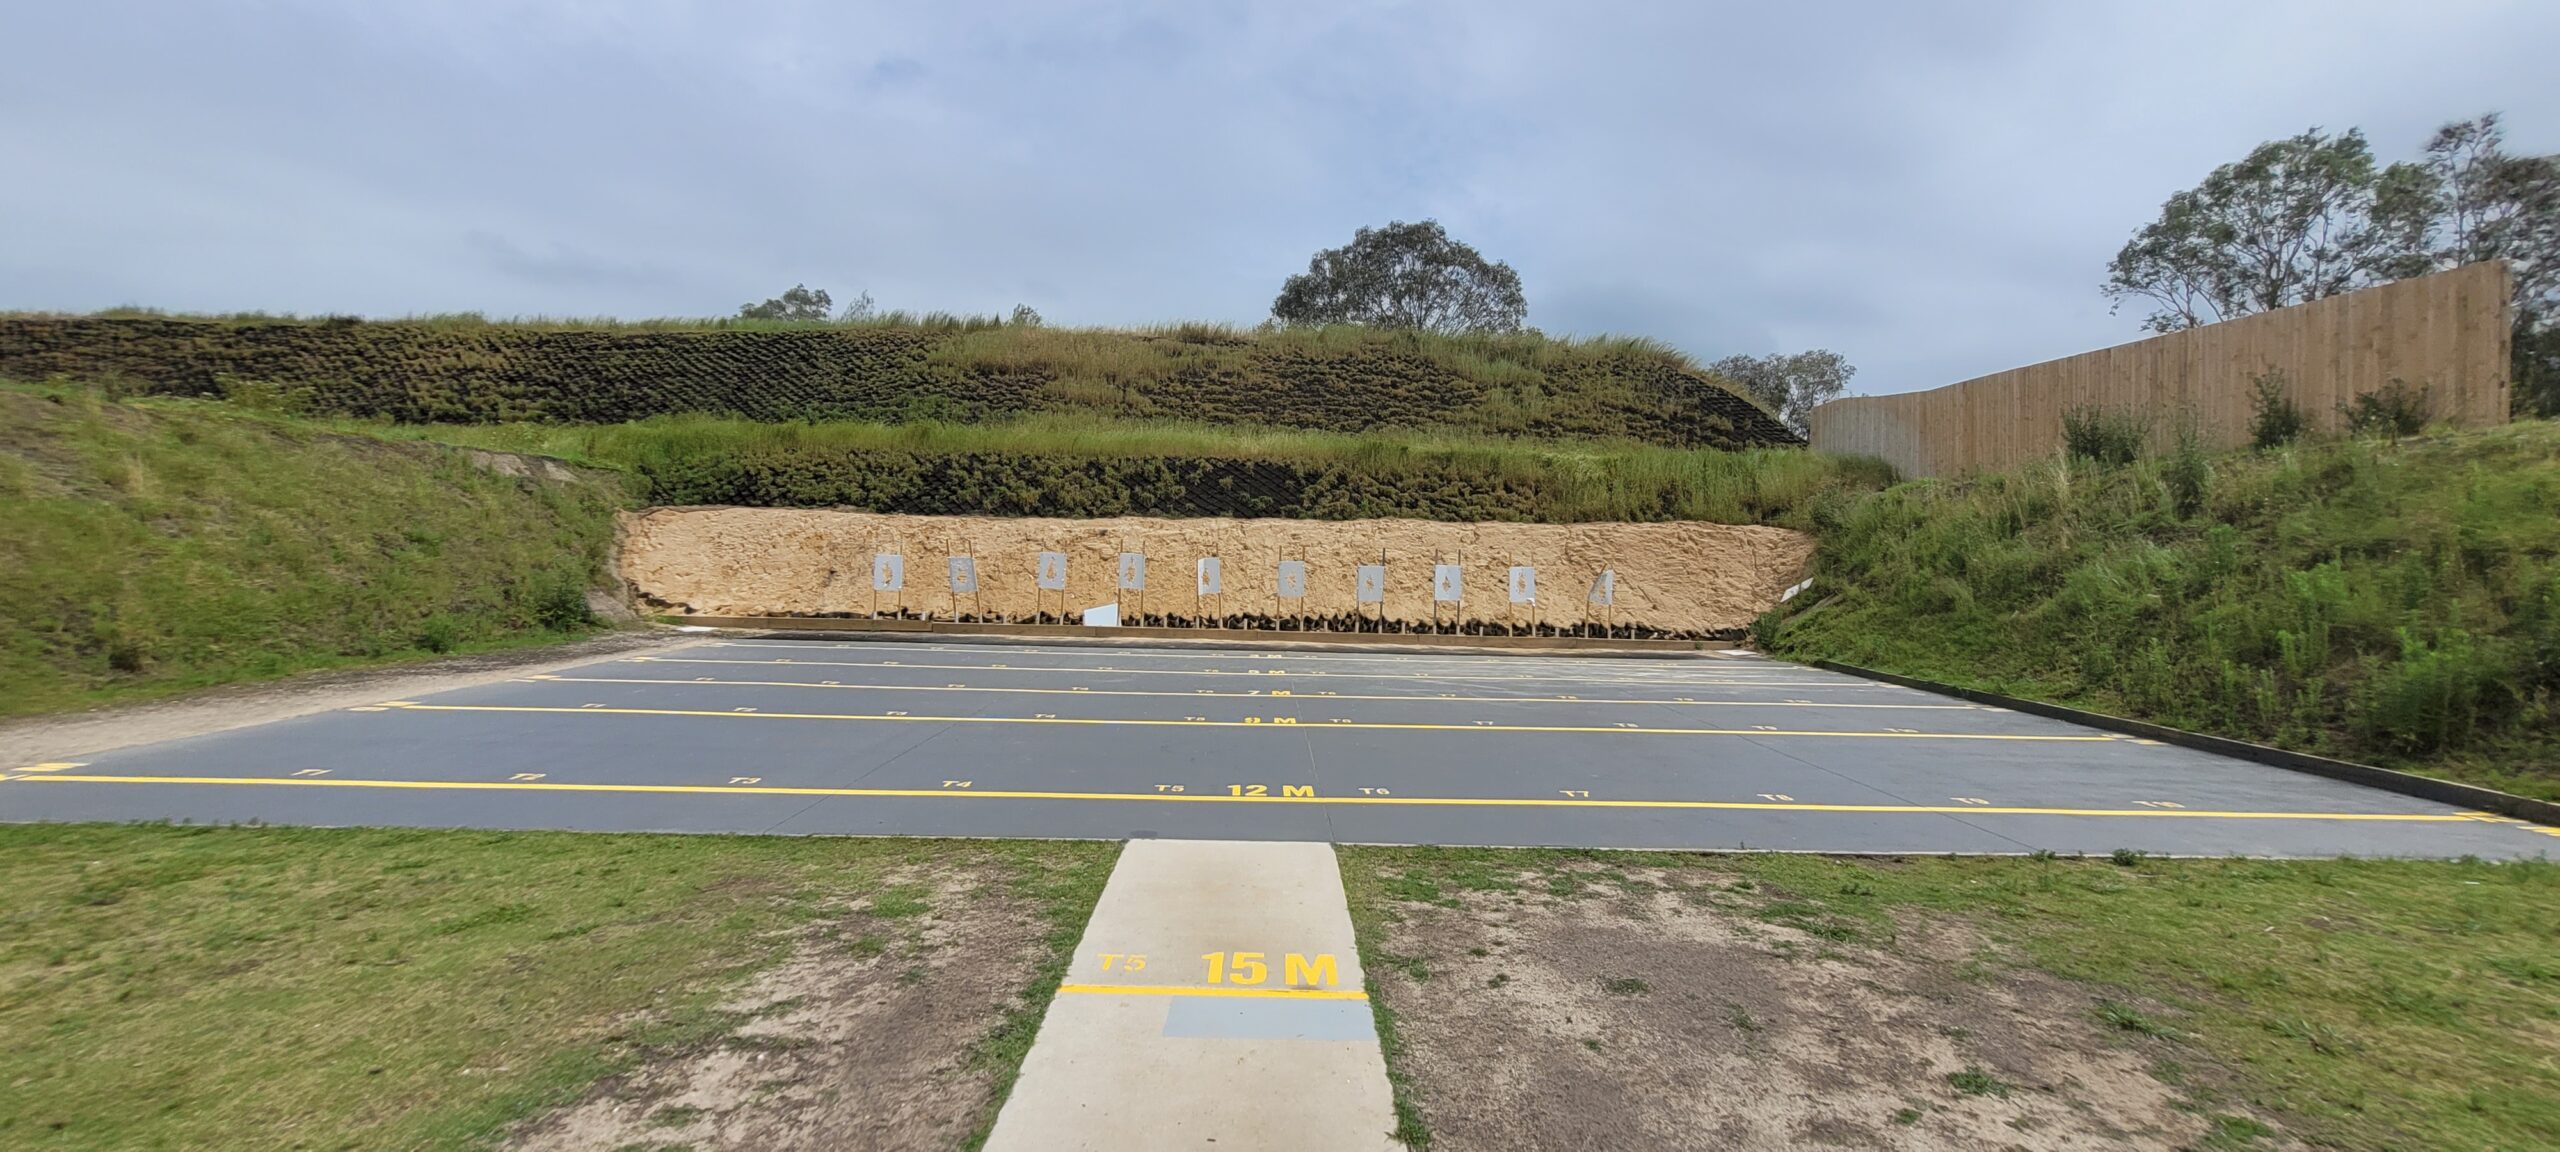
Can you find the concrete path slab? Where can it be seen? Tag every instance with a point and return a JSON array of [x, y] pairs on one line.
[[1216, 1002]]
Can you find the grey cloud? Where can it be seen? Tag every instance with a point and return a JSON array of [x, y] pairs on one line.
[[1931, 190]]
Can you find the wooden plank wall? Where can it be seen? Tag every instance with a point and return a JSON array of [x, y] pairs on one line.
[[2448, 331]]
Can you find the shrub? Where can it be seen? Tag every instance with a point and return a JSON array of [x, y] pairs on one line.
[[2433, 697], [2394, 410], [2102, 436], [439, 633], [560, 604], [2188, 472], [2274, 419]]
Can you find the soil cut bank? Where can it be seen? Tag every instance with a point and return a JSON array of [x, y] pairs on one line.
[[1680, 579]]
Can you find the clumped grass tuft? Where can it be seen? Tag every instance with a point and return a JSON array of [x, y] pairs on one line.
[[1976, 1082], [2394, 411], [2103, 436], [2274, 419]]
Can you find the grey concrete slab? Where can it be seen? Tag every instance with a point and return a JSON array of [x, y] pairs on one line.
[[978, 740]]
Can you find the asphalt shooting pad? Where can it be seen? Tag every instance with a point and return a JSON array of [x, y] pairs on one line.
[[1713, 752]]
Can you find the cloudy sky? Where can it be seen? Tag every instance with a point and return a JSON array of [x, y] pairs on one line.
[[1932, 189]]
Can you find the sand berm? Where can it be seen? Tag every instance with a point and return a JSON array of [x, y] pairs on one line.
[[1681, 578]]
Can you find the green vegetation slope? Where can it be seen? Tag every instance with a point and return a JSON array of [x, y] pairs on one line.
[[1345, 379], [150, 549], [1076, 465], [2392, 603]]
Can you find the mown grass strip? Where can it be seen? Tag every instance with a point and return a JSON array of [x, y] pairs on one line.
[[225, 988], [2364, 1004]]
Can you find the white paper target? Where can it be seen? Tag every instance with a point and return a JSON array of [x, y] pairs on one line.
[[1133, 572], [1212, 579], [1604, 591], [1524, 584], [1293, 579], [1444, 583], [1052, 573], [1369, 584], [888, 572], [964, 574]]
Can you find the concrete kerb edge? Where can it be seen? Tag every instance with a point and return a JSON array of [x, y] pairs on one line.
[[2386, 779]]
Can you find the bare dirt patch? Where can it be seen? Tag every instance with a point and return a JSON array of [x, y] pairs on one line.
[[1681, 578], [239, 706], [1645, 1008], [863, 1038]]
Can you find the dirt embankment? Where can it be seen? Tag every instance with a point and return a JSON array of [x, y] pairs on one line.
[[1681, 579]]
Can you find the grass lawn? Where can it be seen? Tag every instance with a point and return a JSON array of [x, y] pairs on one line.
[[261, 988], [148, 550], [2358, 1004]]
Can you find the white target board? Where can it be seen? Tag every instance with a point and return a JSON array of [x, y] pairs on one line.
[[1213, 581], [888, 572], [1133, 572], [1445, 585], [1293, 580], [1524, 584], [964, 574], [1052, 572], [1369, 584], [1604, 591]]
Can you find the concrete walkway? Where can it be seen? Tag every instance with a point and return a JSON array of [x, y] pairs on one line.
[[1216, 1002]]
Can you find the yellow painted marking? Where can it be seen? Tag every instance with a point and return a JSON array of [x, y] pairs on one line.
[[1242, 993], [375, 707], [1252, 722], [1219, 798], [1197, 672], [981, 650], [53, 766]]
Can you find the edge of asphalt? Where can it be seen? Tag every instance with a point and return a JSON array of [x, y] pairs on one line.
[[2386, 779], [1275, 641], [223, 708]]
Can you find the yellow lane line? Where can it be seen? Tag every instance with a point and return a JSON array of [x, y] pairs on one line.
[[1204, 695], [1291, 724], [1236, 993], [1206, 798], [1281, 675], [1700, 661]]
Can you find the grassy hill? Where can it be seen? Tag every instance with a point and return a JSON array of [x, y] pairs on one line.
[[2392, 603], [147, 549], [466, 370], [1080, 465]]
